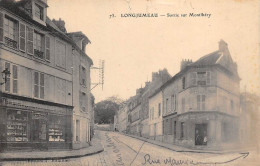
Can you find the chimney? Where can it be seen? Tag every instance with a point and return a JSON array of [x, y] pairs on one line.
[[60, 24], [185, 63], [155, 76], [223, 46]]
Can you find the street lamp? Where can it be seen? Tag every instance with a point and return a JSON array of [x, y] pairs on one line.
[[6, 73]]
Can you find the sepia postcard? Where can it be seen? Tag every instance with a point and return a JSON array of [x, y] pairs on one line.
[[130, 82]]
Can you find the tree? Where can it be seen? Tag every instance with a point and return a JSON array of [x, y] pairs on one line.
[[106, 109]]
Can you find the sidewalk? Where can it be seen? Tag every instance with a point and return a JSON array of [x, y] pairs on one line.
[[96, 147], [177, 148]]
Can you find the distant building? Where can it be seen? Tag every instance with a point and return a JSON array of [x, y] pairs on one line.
[[201, 102], [122, 117], [155, 116], [45, 103]]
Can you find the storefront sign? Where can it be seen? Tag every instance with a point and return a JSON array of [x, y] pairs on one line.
[[39, 116]]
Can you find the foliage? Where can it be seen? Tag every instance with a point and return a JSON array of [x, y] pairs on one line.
[[106, 109]]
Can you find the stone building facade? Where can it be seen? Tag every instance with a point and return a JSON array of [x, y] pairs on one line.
[[201, 102], [45, 102]]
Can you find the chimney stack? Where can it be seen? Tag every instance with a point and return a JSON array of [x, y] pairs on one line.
[[185, 63], [60, 24]]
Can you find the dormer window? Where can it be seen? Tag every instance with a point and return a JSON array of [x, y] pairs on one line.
[[39, 12]]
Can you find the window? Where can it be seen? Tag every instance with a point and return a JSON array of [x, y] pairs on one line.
[[166, 105], [183, 83], [83, 101], [60, 54], [10, 32], [11, 84], [182, 130], [173, 105], [174, 130], [83, 76], [29, 44], [38, 45], [61, 90], [38, 11], [193, 78], [183, 104], [203, 78], [77, 130], [39, 85], [57, 129], [201, 102], [47, 48], [231, 105], [7, 84], [159, 109]]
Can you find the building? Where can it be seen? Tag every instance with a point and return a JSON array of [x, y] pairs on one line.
[[155, 116], [122, 117], [45, 103], [201, 102]]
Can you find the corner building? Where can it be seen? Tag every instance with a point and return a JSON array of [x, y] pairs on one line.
[[48, 89], [201, 102]]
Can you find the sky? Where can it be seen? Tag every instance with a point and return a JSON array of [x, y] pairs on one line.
[[133, 48]]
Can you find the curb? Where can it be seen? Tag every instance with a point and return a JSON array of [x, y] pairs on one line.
[[181, 151], [52, 158]]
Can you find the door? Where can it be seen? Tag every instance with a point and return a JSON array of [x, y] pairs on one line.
[[201, 134], [39, 130]]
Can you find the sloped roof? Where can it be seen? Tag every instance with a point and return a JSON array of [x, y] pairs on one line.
[[207, 60]]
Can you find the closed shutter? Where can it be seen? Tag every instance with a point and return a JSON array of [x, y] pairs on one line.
[[15, 79], [193, 77], [29, 40], [47, 48], [36, 84], [22, 37], [7, 84], [1, 27], [42, 86]]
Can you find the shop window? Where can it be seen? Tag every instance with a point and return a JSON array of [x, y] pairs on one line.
[[56, 128], [174, 130], [11, 32], [17, 126]]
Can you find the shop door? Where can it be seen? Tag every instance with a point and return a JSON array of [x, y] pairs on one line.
[[201, 134], [39, 130]]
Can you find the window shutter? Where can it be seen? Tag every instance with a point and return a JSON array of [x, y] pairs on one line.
[[22, 37], [15, 79], [7, 84], [208, 78], [30, 40], [47, 48], [1, 27], [41, 85]]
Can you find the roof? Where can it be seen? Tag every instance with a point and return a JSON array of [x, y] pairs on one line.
[[16, 8], [209, 59]]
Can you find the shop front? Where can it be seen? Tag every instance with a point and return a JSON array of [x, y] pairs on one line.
[[34, 125]]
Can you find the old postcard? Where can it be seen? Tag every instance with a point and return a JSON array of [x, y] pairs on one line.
[[130, 82]]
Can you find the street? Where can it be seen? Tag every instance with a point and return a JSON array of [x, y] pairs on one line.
[[123, 150]]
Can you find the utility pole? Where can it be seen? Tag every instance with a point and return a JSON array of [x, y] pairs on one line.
[[101, 74]]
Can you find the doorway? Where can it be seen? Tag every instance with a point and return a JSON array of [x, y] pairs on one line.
[[201, 134], [39, 130]]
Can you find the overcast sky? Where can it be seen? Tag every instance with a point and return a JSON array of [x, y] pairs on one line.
[[133, 48]]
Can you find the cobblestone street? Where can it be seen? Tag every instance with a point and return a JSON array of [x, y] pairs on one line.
[[124, 150]]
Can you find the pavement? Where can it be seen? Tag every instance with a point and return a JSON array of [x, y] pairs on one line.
[[94, 148], [177, 148]]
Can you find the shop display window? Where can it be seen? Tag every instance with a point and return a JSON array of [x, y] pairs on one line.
[[56, 128], [17, 126]]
